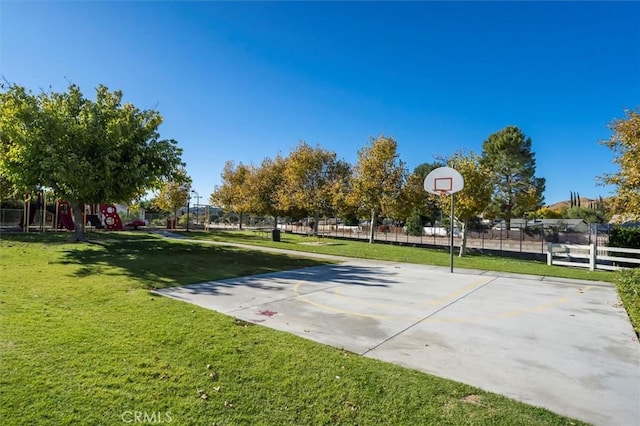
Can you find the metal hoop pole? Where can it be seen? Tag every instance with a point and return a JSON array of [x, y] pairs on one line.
[[451, 235]]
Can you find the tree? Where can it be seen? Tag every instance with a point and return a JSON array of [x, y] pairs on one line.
[[413, 225], [418, 201], [313, 182], [474, 198], [517, 191], [625, 143], [6, 187], [174, 194], [377, 180], [264, 182], [546, 213], [587, 214], [234, 195], [85, 151]]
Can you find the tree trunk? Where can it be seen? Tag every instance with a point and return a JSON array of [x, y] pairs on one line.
[[78, 225], [316, 219], [372, 228], [175, 218], [463, 243], [507, 217], [240, 220]]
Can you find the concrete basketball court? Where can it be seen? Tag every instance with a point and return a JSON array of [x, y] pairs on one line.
[[565, 345]]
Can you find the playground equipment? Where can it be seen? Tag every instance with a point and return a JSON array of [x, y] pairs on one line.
[[60, 214], [65, 218], [111, 218]]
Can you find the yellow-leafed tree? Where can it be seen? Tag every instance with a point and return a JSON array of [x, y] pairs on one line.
[[474, 198], [625, 142], [265, 181], [314, 180], [174, 194], [234, 195], [378, 180]]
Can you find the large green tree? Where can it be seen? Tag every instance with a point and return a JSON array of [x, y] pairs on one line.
[[625, 143], [87, 151], [418, 201], [313, 180], [589, 215], [378, 180], [517, 190]]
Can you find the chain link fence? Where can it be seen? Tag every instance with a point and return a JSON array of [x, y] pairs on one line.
[[524, 240]]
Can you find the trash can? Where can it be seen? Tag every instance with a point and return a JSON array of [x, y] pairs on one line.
[[275, 235], [171, 224]]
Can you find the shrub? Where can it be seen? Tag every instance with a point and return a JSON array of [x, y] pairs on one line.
[[11, 203], [625, 237], [414, 225], [628, 284]]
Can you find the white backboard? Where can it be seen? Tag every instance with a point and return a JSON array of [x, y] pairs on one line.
[[443, 181]]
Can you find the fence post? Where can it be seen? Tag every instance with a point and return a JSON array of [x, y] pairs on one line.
[[592, 257], [521, 238], [549, 253]]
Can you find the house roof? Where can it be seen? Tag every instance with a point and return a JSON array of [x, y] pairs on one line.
[[545, 223]]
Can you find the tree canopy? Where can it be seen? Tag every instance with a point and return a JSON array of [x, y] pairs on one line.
[[265, 182], [474, 198], [86, 151], [234, 194], [625, 143], [174, 194], [378, 179], [508, 155], [418, 201], [312, 181]]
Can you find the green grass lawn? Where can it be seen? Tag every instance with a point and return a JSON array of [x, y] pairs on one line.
[[410, 254], [83, 341]]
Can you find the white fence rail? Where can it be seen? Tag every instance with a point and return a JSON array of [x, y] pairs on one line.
[[590, 256]]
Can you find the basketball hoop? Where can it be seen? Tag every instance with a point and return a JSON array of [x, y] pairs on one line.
[[445, 181]]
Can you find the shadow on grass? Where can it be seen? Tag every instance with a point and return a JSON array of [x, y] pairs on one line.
[[62, 237], [158, 263]]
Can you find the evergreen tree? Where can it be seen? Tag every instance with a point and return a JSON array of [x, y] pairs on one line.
[[517, 190]]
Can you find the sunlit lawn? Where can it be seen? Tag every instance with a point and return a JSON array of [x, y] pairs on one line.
[[83, 341], [397, 253]]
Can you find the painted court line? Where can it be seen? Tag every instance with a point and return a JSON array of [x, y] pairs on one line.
[[560, 344]]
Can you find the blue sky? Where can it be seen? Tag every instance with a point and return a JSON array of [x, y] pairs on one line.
[[247, 80]]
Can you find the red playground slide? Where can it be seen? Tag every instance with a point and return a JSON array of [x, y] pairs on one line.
[[65, 218]]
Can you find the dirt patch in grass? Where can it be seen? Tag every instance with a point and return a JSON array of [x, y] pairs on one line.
[[473, 399]]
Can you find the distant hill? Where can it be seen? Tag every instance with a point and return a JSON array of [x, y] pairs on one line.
[[584, 202]]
